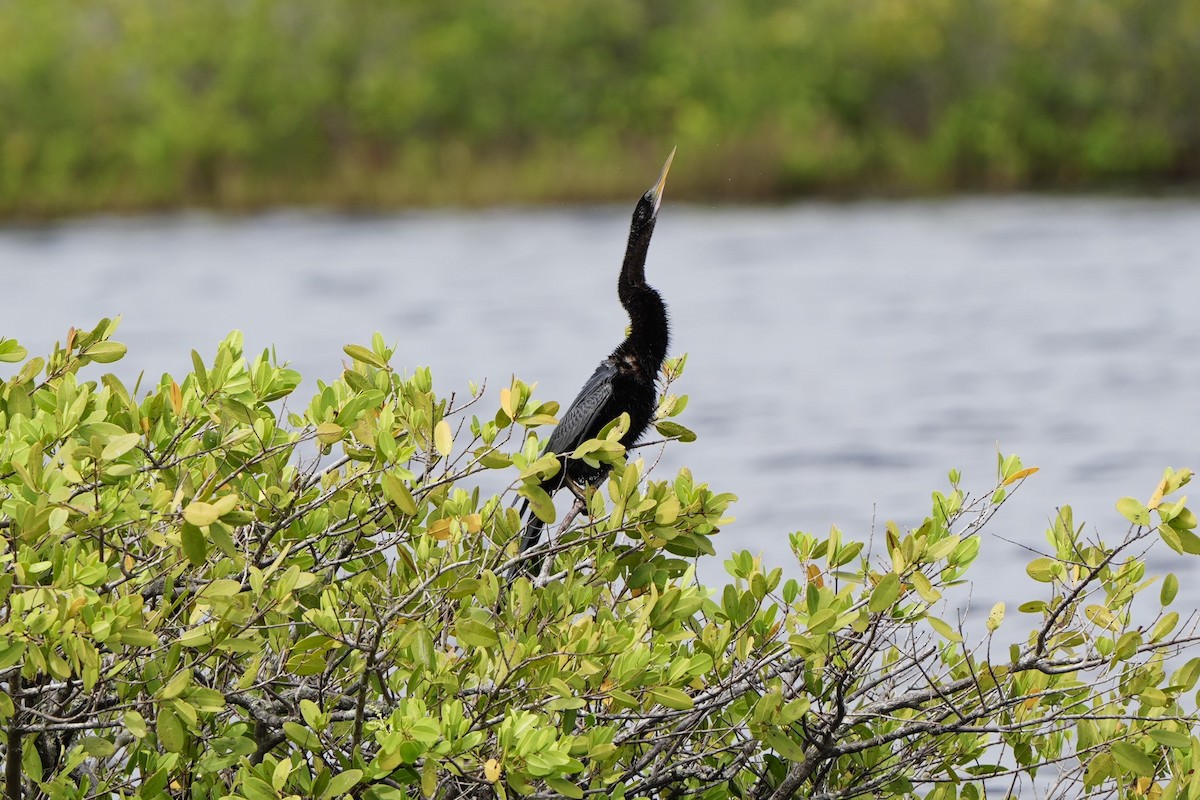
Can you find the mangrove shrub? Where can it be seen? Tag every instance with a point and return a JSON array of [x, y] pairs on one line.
[[211, 590]]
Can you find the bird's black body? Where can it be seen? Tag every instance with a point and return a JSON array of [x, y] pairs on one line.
[[625, 382]]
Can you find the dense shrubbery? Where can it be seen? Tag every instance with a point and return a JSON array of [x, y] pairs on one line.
[[194, 604], [134, 104]]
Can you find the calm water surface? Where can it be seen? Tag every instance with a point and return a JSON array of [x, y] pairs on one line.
[[842, 358]]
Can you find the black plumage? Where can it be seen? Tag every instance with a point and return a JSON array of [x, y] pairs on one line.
[[625, 382]]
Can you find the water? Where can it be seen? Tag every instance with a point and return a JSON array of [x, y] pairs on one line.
[[842, 357]]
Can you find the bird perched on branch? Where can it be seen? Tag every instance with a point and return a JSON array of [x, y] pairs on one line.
[[625, 381]]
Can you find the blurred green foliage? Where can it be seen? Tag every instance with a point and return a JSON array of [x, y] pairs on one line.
[[130, 104]]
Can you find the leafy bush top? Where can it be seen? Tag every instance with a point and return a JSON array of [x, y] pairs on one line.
[[205, 594]]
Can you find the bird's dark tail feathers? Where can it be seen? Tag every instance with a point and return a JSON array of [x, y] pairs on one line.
[[530, 536]]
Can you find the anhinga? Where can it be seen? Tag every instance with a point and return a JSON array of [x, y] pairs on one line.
[[625, 381]]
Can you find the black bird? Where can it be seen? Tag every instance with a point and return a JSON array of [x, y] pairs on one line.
[[625, 381]]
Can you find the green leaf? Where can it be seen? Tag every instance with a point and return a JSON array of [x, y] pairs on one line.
[[671, 697], [1133, 759], [194, 545], [822, 621], [135, 723], [565, 788], [11, 352], [170, 731], [137, 637], [200, 372], [1165, 626], [1132, 510], [312, 714], [342, 783], [784, 746], [1169, 738], [1042, 569], [1170, 588], [675, 431], [119, 446], [301, 735], [176, 685], [258, 789], [539, 501], [923, 586], [237, 411], [58, 519], [105, 352], [360, 353], [397, 492], [885, 593], [1171, 537], [353, 409], [943, 628], [31, 764], [1102, 617], [11, 653], [330, 432], [474, 633], [279, 775]]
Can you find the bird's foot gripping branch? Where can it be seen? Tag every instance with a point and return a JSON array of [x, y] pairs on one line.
[[193, 604]]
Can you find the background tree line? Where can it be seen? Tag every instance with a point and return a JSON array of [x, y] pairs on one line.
[[126, 104]]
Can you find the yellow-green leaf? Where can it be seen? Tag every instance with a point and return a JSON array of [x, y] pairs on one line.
[[474, 633], [138, 637], [342, 783], [301, 736], [105, 352], [1102, 617], [170, 731], [943, 628], [360, 353], [194, 545], [924, 587], [280, 774], [675, 431], [1133, 759], [443, 438], [119, 445], [1041, 569], [1132, 510], [11, 352], [398, 493], [176, 685], [565, 788], [995, 616], [135, 723], [1170, 588], [671, 697], [330, 432], [539, 501], [199, 513], [1169, 738], [885, 593], [311, 712]]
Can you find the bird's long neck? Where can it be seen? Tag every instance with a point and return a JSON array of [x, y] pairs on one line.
[[649, 333]]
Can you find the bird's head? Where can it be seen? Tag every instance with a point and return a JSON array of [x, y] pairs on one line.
[[647, 208]]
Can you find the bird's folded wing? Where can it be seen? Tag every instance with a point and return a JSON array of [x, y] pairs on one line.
[[583, 419]]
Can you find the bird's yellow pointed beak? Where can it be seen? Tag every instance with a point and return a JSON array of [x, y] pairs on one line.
[[656, 191]]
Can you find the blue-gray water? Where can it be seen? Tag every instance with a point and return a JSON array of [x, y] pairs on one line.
[[842, 357]]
